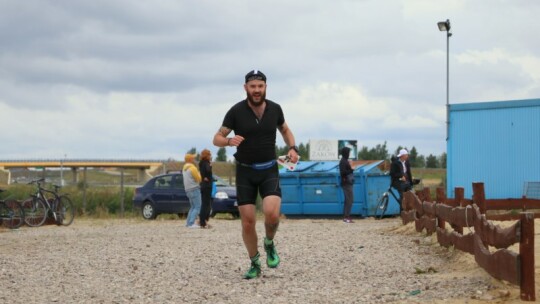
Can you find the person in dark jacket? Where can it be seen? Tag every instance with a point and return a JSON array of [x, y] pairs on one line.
[[205, 167], [400, 172], [347, 180]]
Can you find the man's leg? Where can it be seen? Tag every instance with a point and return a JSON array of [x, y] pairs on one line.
[[347, 206], [249, 235], [271, 210], [399, 187], [402, 188]]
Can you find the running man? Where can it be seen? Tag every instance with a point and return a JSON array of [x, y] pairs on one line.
[[254, 122]]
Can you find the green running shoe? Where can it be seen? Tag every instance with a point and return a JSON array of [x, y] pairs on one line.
[[272, 258], [255, 269]]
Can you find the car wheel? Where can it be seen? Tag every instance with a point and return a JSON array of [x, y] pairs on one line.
[[212, 213], [148, 211], [235, 214]]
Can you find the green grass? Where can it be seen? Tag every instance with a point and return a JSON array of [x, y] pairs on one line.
[[430, 176]]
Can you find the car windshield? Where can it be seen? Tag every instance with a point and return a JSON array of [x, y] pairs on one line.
[[219, 181]]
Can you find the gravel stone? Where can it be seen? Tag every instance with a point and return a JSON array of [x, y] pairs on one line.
[[161, 261]]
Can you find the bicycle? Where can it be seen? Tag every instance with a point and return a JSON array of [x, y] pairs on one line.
[[11, 213], [382, 203], [38, 207]]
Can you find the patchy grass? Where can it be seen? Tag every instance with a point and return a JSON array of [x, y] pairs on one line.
[[431, 177]]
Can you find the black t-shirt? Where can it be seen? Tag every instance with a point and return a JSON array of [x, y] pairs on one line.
[[259, 143]]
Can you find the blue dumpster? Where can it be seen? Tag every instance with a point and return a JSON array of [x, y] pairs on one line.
[[314, 188]]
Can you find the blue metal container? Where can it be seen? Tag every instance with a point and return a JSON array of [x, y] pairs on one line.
[[314, 188]]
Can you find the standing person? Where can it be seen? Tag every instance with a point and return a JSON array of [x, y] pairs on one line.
[[192, 178], [400, 172], [347, 180], [205, 167], [254, 121]]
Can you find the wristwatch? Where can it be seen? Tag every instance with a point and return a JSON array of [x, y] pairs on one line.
[[295, 148]]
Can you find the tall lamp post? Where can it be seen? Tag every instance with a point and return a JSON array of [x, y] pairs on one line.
[[444, 26]]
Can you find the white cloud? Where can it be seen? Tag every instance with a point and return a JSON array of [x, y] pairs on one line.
[[123, 79], [344, 111], [523, 66]]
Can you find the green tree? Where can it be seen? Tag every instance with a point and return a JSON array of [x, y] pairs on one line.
[[442, 160], [431, 161], [420, 161], [221, 154], [378, 152], [303, 151], [413, 157], [282, 150], [364, 154]]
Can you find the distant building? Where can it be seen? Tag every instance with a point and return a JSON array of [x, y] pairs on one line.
[[497, 143]]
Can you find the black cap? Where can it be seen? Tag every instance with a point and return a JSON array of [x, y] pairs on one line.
[[255, 75]]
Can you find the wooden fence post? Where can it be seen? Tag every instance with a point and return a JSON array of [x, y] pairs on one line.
[[526, 252], [441, 199], [459, 195], [479, 196], [427, 195], [441, 196]]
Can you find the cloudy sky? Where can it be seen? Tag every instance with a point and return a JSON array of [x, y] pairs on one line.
[[152, 79]]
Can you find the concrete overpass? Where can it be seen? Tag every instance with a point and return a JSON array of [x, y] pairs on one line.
[[74, 164]]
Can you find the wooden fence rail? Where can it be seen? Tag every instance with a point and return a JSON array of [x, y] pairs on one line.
[[504, 264]]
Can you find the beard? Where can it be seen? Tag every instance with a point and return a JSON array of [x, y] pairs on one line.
[[258, 100]]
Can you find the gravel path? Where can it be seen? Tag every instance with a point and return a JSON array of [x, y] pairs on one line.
[[323, 261]]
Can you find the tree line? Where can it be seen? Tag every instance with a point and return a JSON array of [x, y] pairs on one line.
[[379, 152]]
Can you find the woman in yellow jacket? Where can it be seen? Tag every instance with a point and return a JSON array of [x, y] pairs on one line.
[[192, 179]]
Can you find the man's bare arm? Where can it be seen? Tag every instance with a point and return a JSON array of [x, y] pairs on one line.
[[221, 139], [288, 137]]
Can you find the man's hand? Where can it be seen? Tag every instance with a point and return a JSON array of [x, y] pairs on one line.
[[235, 141], [293, 155]]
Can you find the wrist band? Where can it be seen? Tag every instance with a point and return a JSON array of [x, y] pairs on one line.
[[228, 141]]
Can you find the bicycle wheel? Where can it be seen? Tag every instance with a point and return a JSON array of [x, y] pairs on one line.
[[35, 212], [381, 206], [11, 214], [64, 211]]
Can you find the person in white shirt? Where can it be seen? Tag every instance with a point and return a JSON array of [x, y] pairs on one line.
[[400, 172]]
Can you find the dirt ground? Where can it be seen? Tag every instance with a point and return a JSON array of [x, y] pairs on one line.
[[161, 261]]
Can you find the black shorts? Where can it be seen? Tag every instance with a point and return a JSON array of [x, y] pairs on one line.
[[250, 181]]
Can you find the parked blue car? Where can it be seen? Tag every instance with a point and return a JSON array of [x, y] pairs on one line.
[[165, 193], [224, 198]]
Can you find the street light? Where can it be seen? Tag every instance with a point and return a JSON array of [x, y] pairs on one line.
[[444, 26]]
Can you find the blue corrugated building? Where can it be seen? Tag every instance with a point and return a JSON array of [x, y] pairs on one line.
[[497, 143]]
